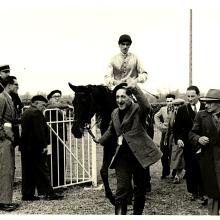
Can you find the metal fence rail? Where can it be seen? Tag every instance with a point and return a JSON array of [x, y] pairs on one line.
[[72, 161]]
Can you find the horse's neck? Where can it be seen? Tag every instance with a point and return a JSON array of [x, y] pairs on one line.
[[104, 106], [103, 100]]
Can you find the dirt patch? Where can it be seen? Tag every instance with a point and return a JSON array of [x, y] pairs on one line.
[[165, 198]]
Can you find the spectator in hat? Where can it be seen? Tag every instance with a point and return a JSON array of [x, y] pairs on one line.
[[4, 72], [124, 65], [7, 159], [135, 151], [34, 141], [176, 157], [57, 116], [205, 140]]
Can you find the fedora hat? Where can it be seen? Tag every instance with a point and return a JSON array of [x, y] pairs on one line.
[[178, 101], [212, 95]]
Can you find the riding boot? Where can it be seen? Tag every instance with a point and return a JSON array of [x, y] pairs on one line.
[[121, 207], [108, 192], [138, 206]]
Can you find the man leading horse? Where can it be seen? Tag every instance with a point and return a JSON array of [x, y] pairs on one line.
[[135, 151]]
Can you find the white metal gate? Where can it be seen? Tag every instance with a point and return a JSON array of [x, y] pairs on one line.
[[72, 161]]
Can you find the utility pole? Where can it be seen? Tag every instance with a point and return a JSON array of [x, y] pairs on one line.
[[190, 48]]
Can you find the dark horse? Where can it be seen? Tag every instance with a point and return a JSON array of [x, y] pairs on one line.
[[96, 100]]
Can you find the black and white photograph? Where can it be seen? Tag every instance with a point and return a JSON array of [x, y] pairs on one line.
[[109, 108]]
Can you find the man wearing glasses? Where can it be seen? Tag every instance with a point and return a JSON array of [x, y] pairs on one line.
[[4, 72], [7, 139], [124, 65]]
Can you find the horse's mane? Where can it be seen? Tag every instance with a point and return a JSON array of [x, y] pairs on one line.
[[103, 97], [105, 103]]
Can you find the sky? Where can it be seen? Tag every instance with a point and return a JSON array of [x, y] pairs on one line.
[[50, 43]]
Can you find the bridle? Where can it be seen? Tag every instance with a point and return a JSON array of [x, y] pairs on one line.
[[88, 127]]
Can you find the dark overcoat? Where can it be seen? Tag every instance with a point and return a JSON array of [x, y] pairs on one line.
[[182, 126], [34, 138], [133, 130], [34, 135], [184, 122], [210, 154]]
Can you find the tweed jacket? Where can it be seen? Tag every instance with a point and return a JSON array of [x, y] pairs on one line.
[[133, 131], [210, 154], [162, 118]]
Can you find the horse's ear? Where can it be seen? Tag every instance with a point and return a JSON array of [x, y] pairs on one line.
[[74, 88], [90, 88]]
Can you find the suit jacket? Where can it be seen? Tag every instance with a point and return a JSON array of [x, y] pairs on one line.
[[184, 122], [7, 114], [34, 135], [133, 130], [210, 154]]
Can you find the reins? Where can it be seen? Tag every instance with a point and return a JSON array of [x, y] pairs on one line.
[[89, 128]]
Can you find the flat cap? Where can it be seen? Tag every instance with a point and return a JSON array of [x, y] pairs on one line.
[[4, 67], [121, 86], [49, 96], [38, 98]]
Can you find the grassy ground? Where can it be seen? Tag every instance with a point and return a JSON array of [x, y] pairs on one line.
[[165, 198]]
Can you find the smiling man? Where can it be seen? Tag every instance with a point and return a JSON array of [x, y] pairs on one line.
[[205, 138], [124, 65], [136, 151]]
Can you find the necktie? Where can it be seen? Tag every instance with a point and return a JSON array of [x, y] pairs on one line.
[[195, 109]]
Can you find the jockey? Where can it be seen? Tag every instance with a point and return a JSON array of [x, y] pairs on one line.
[[124, 65]]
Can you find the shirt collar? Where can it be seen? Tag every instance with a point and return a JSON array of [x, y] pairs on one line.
[[198, 104], [124, 55]]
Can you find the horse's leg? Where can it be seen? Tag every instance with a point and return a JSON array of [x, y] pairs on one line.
[[107, 157]]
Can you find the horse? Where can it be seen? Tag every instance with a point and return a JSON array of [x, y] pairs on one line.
[[99, 100], [90, 100]]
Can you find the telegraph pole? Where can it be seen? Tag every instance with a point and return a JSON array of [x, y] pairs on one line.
[[190, 48]]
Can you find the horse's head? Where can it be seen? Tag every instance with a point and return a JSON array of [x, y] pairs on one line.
[[84, 108]]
